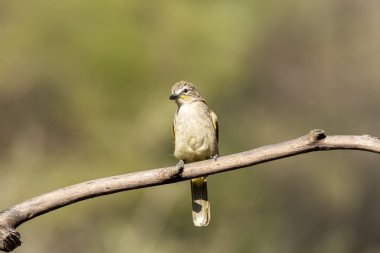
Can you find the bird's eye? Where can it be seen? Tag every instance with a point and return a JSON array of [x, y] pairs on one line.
[[185, 90]]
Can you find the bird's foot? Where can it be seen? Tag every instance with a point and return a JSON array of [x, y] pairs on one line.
[[181, 166], [215, 157]]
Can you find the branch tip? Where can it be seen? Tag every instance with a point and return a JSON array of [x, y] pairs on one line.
[[9, 239]]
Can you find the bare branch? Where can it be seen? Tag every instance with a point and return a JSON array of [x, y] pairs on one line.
[[315, 140]]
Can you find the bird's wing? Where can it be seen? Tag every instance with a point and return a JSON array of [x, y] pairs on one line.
[[173, 128], [214, 119]]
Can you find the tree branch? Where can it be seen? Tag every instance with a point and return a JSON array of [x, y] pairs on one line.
[[315, 140]]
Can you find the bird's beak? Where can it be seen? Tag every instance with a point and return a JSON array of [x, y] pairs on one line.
[[173, 97]]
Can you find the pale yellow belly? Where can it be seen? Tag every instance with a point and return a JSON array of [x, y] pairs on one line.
[[195, 137]]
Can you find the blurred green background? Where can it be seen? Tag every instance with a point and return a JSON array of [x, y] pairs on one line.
[[84, 89]]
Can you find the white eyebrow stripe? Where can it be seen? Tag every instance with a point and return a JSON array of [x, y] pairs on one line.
[[179, 91]]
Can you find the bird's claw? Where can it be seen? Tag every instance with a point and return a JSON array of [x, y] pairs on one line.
[[215, 157], [181, 166]]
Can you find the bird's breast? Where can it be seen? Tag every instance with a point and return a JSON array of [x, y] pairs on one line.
[[195, 137]]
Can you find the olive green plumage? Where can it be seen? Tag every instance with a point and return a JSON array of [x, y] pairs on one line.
[[195, 131]]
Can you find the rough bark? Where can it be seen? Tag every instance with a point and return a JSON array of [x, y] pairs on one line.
[[315, 140]]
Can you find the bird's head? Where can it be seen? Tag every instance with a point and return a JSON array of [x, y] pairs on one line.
[[184, 92]]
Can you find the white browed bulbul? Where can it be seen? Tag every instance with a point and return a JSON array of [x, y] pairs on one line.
[[195, 131]]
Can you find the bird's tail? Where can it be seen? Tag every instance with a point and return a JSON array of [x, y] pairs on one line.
[[201, 206]]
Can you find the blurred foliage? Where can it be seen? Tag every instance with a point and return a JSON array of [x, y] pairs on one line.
[[84, 89]]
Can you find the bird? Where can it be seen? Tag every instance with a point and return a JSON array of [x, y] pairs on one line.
[[196, 136]]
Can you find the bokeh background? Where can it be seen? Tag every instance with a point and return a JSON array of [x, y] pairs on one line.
[[84, 89]]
